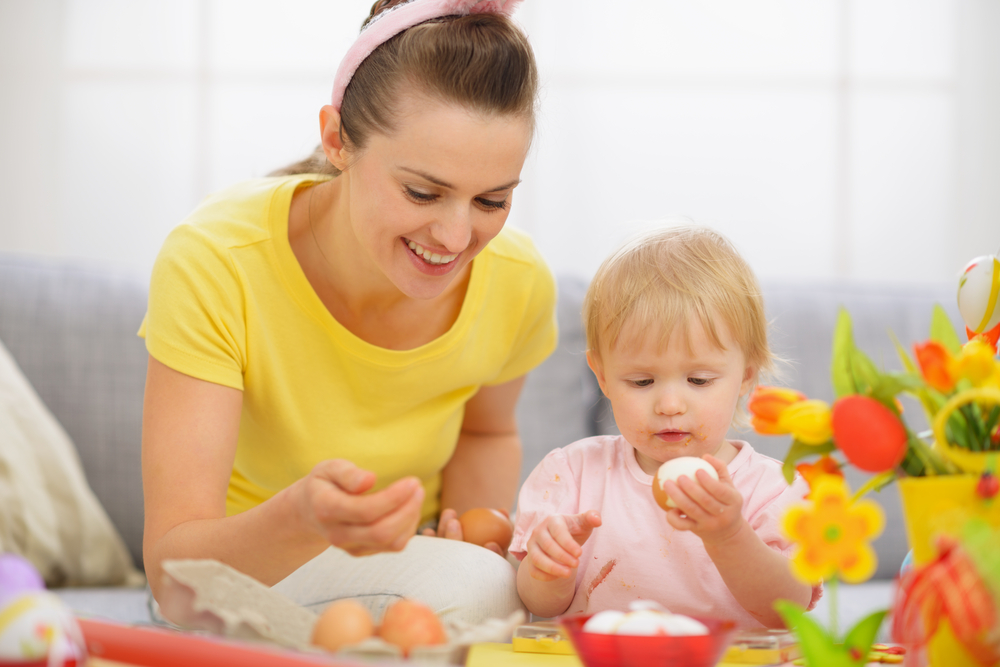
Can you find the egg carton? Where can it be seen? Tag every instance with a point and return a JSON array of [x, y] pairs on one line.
[[209, 596]]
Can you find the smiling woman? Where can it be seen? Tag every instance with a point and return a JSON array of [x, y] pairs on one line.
[[336, 351]]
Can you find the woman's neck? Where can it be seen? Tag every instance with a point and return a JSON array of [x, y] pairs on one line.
[[355, 292]]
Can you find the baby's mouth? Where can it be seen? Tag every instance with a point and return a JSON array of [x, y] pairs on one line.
[[428, 256]]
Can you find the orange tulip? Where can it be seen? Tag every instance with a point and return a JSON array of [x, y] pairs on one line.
[[766, 405], [935, 360], [826, 465]]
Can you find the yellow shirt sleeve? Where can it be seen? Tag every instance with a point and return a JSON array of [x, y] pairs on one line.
[[194, 322]]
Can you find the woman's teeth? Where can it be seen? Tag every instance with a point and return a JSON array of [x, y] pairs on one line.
[[429, 257]]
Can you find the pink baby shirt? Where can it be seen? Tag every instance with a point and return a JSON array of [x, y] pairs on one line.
[[635, 554]]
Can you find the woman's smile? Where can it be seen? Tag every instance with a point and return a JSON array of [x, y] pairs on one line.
[[429, 256]]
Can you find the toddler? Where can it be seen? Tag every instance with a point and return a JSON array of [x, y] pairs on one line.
[[676, 336]]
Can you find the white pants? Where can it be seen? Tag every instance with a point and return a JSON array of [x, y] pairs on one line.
[[459, 581]]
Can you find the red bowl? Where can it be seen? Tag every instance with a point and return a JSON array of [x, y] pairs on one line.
[[601, 650]]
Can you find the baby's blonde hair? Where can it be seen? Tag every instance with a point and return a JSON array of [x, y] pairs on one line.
[[663, 279]]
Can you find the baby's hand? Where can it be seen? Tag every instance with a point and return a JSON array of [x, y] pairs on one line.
[[554, 546], [709, 508]]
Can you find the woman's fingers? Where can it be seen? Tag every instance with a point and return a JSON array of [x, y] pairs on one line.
[[359, 522], [345, 475], [391, 532]]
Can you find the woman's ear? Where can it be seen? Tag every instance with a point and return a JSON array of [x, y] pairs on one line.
[[594, 361], [333, 143]]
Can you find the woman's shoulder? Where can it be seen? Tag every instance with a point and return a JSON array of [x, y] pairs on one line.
[[516, 246], [241, 214]]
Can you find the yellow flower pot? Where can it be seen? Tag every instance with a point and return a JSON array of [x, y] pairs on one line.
[[941, 505]]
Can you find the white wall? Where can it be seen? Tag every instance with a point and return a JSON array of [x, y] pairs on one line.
[[828, 138]]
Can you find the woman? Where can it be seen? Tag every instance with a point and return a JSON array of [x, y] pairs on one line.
[[329, 368]]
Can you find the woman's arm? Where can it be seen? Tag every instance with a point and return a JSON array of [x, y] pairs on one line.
[[485, 469], [189, 437]]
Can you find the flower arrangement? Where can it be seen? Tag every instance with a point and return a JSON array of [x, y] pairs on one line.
[[957, 385], [952, 596]]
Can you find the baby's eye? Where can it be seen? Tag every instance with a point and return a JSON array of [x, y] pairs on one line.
[[645, 382], [700, 382]]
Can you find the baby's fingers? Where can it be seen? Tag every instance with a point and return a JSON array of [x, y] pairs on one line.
[[546, 569], [558, 549]]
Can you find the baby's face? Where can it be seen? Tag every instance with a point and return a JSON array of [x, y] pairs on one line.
[[677, 401]]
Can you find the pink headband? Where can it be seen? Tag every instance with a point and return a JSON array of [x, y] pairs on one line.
[[395, 20]]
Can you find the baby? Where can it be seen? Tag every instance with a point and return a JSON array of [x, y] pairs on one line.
[[676, 336]]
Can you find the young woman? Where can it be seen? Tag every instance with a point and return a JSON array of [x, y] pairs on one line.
[[335, 358]]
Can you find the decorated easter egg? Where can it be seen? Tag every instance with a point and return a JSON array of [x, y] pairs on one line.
[[979, 296], [17, 576], [38, 627]]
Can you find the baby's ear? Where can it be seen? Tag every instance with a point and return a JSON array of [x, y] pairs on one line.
[[749, 379], [594, 361]]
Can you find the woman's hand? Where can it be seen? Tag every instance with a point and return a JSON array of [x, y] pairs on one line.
[[333, 502], [554, 548], [709, 508]]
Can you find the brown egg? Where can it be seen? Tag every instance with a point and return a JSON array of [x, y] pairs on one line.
[[483, 525], [343, 623], [408, 623]]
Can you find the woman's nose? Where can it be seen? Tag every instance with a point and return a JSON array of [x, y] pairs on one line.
[[454, 229]]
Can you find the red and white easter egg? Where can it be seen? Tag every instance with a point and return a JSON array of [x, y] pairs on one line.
[[979, 295]]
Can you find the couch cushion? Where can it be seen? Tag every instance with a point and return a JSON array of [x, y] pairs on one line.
[[71, 328]]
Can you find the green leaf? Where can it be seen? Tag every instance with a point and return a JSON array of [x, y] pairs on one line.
[[843, 344], [942, 330], [811, 634], [800, 450], [851, 371], [904, 357], [888, 385], [862, 636]]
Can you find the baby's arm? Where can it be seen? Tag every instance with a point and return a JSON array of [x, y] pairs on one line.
[[755, 574], [546, 578]]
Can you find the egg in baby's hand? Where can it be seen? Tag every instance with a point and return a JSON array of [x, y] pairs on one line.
[[343, 623], [673, 470]]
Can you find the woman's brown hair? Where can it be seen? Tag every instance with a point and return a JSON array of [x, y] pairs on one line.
[[479, 61]]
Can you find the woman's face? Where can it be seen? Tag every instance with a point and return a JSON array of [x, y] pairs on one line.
[[425, 199]]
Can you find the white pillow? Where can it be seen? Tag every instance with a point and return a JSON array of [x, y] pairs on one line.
[[48, 513]]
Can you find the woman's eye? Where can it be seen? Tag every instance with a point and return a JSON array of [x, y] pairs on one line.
[[492, 204], [642, 383], [420, 197], [700, 382]]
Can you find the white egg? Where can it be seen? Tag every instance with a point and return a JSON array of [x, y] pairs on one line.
[[604, 622], [651, 605], [644, 622], [673, 469], [681, 625]]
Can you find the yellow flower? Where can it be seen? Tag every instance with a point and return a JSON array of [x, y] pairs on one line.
[[833, 534], [807, 421], [975, 363]]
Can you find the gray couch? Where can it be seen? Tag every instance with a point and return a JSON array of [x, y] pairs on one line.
[[71, 326]]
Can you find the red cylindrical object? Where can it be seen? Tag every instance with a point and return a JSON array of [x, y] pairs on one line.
[[155, 647]]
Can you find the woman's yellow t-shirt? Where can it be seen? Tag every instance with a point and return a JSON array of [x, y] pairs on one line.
[[229, 303]]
